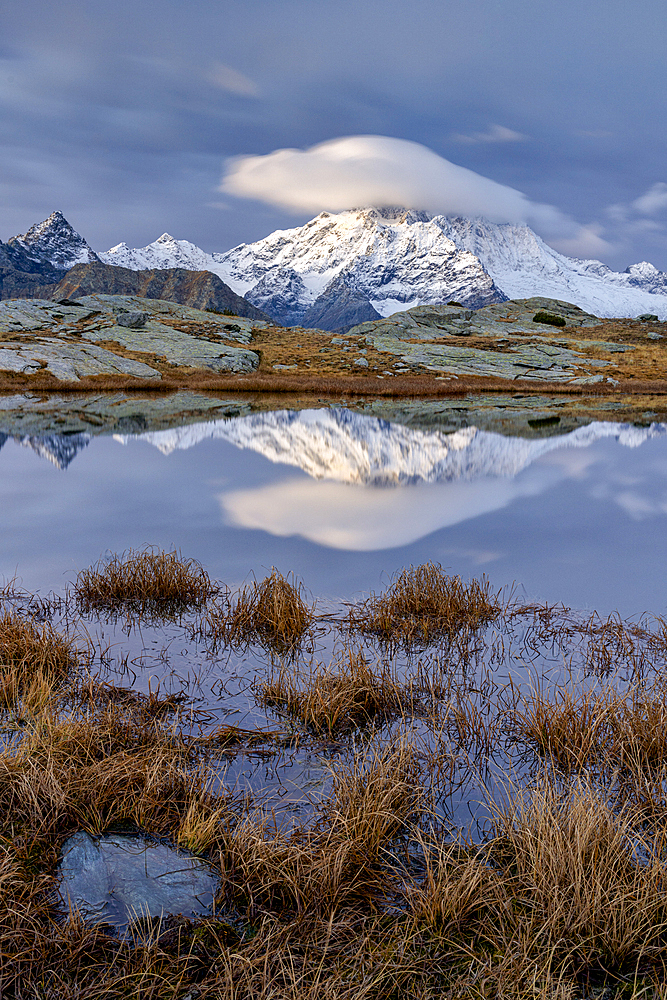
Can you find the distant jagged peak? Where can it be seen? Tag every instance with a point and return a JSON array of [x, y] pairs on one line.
[[54, 241], [162, 254]]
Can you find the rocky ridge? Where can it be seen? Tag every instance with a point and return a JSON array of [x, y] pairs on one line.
[[338, 270], [198, 289], [378, 260], [523, 265]]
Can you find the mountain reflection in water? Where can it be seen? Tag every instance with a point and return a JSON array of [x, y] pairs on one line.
[[313, 490]]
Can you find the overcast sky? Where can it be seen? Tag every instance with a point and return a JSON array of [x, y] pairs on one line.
[[125, 115]]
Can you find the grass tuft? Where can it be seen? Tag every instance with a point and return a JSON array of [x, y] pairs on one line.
[[147, 580], [334, 699], [424, 604], [274, 613], [34, 658]]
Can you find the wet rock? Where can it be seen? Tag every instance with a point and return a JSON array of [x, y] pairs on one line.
[[117, 878]]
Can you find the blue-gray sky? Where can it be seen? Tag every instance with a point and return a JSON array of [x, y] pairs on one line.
[[122, 115]]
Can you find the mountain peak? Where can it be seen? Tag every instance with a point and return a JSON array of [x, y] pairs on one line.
[[54, 241]]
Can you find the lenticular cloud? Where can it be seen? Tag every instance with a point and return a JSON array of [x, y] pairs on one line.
[[377, 170]]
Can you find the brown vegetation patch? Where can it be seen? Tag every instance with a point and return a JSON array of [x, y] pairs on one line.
[[274, 613], [147, 580], [334, 699], [424, 604], [610, 730], [34, 658], [337, 863]]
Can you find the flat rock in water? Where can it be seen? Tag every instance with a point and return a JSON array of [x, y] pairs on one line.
[[117, 878]]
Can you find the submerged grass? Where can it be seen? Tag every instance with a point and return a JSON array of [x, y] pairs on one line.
[[347, 694], [424, 604], [147, 580]]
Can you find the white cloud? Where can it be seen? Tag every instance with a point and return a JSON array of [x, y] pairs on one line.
[[655, 200], [232, 81], [497, 133], [359, 171]]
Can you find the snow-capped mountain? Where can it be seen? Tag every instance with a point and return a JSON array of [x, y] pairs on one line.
[[353, 266], [164, 253], [53, 242], [337, 270], [348, 447], [523, 265]]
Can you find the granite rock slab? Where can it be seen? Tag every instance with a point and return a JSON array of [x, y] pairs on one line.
[[429, 337]]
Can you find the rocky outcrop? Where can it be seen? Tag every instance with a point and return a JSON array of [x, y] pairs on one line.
[[198, 289], [103, 334], [505, 342]]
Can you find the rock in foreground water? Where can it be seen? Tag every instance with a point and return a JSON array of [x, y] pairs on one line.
[[116, 878]]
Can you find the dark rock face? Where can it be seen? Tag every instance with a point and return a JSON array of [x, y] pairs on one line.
[[199, 289], [21, 276], [339, 307]]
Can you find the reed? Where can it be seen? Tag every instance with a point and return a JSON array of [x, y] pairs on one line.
[[423, 604], [145, 580]]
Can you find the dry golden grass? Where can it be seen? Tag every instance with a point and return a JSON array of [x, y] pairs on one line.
[[367, 897], [34, 659], [557, 896], [274, 613], [605, 728], [147, 580], [424, 604], [333, 699], [575, 875]]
